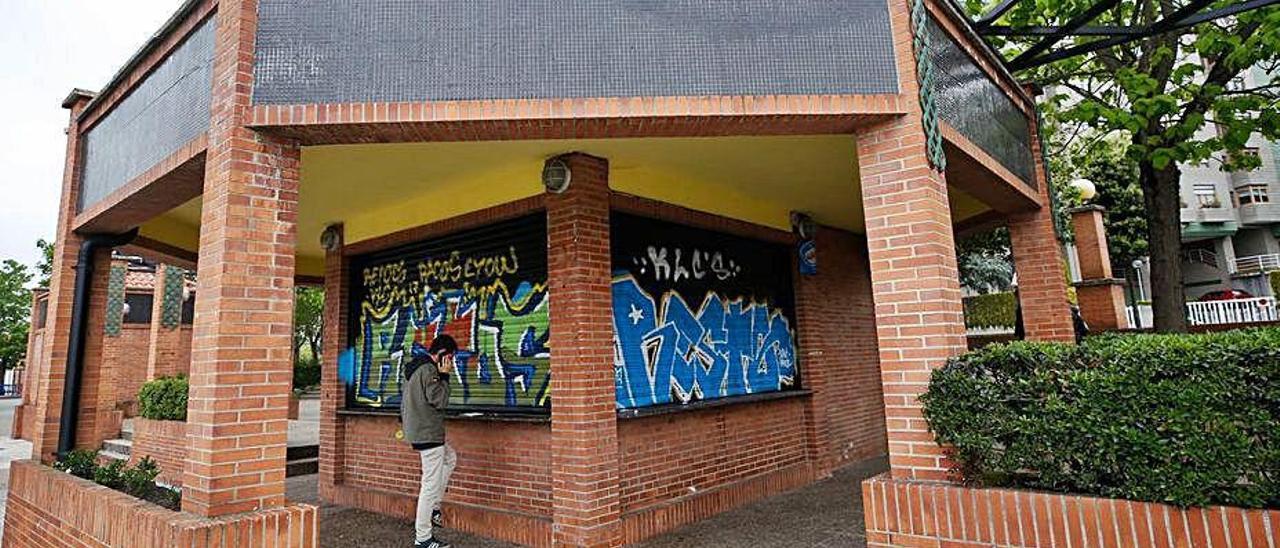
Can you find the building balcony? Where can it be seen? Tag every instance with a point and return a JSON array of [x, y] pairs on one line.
[[1258, 263], [1208, 214], [1259, 214]]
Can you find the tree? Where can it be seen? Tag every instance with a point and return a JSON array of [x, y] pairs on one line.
[[15, 313], [985, 261], [308, 320], [1115, 174], [44, 268], [1175, 97]]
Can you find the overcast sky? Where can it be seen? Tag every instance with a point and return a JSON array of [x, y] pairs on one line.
[[48, 47]]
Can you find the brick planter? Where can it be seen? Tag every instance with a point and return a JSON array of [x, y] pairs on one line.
[[908, 513], [165, 442], [54, 509]]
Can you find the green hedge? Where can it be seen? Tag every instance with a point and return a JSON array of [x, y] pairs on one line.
[[992, 310], [164, 399], [1189, 420], [306, 373], [1274, 276]]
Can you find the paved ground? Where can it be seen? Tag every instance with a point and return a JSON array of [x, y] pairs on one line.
[[305, 430], [828, 513], [10, 450]]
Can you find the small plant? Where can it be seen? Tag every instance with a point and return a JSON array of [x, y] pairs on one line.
[[306, 373], [80, 463], [140, 480], [111, 475], [164, 399]]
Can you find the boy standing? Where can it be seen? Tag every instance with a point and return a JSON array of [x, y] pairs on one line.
[[425, 394]]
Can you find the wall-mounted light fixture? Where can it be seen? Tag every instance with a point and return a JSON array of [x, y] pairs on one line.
[[556, 175], [803, 225], [331, 238]]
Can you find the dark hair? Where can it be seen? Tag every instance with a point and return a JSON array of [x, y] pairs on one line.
[[443, 343]]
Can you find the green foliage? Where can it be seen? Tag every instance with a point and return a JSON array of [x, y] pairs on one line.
[[138, 480], [111, 475], [308, 322], [164, 399], [1274, 277], [985, 261], [15, 313], [81, 463], [1115, 174], [44, 268], [1189, 420], [992, 310], [306, 373], [1176, 98]]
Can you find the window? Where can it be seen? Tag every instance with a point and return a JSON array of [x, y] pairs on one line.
[[139, 310], [1206, 195], [1254, 194]]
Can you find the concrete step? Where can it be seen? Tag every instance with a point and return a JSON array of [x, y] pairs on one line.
[[300, 452], [113, 456], [301, 467], [120, 446]]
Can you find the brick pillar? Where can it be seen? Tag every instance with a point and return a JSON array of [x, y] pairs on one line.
[[241, 366], [1037, 258], [915, 283], [53, 366], [1099, 293], [332, 390], [28, 386], [164, 358], [584, 428]]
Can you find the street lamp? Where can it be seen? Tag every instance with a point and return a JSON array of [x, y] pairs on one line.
[[1085, 188]]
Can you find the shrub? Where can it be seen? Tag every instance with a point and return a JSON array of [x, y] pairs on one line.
[[138, 480], [1274, 278], [306, 373], [993, 310], [80, 463], [1189, 420], [111, 475], [164, 399]]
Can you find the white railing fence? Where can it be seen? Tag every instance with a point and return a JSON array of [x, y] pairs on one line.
[[1258, 263], [1260, 309]]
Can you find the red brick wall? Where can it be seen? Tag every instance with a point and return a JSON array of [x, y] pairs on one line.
[[128, 353], [906, 513], [53, 509], [837, 335], [501, 465], [729, 455], [165, 442]]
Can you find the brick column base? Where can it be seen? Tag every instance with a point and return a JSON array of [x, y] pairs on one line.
[[1102, 304]]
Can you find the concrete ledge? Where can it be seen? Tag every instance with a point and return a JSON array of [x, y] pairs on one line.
[[643, 523], [911, 513], [50, 508], [516, 527], [1100, 282]]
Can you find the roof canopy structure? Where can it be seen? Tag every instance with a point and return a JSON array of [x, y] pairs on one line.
[[1192, 13]]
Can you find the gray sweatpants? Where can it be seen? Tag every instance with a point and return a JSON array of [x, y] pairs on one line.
[[437, 466]]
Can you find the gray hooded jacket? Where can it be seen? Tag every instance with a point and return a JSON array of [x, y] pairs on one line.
[[424, 396]]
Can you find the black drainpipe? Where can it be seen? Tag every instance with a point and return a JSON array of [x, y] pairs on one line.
[[75, 347]]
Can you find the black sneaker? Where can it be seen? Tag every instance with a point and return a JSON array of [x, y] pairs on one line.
[[432, 542], [437, 518]]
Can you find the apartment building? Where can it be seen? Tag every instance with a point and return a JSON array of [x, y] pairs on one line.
[[1231, 220]]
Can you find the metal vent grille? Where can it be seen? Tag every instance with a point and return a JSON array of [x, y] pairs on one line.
[[974, 105], [165, 111], [339, 51]]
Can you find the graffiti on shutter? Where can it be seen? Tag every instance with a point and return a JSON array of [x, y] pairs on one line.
[[698, 314], [485, 287]]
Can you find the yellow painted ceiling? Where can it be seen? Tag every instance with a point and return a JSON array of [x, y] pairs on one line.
[[382, 188]]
